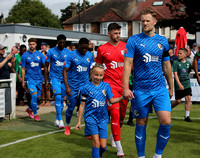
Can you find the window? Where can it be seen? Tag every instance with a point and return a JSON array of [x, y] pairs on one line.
[[80, 27], [158, 3], [124, 28]]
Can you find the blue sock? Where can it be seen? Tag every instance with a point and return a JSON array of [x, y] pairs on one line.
[[102, 150], [95, 152], [62, 103], [34, 103], [162, 138], [58, 107], [68, 115], [140, 139]]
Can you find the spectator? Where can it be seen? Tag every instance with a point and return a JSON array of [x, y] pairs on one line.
[[5, 63], [172, 55], [44, 47], [194, 49], [19, 88], [190, 56], [181, 69], [196, 65], [46, 95]]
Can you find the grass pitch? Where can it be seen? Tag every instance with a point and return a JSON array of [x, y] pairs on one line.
[[184, 140]]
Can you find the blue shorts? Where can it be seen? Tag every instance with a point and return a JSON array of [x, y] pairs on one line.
[[73, 100], [58, 87], [34, 86], [143, 102], [101, 129]]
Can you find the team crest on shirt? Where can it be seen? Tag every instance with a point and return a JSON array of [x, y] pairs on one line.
[[104, 92], [38, 57], [136, 113], [68, 102], [88, 60], [122, 52], [125, 51], [160, 46], [54, 91], [31, 89]]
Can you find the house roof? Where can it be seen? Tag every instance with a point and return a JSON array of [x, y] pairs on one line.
[[121, 10], [162, 11]]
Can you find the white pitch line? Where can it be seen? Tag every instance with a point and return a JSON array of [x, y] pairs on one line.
[[33, 137], [40, 135]]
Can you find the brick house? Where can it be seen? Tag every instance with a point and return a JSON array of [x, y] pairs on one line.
[[125, 12]]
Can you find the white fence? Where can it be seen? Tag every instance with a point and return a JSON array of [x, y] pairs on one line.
[[12, 86]]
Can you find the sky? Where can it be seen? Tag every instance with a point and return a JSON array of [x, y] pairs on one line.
[[54, 6]]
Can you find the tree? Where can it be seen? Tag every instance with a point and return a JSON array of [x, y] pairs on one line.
[[33, 12], [185, 13], [67, 12]]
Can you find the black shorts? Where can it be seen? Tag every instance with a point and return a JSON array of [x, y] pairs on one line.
[[179, 94]]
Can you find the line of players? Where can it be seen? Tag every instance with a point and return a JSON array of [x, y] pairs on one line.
[[69, 76]]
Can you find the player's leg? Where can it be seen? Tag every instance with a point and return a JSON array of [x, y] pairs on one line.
[[103, 135], [56, 88], [32, 87], [179, 94], [71, 103], [95, 146], [188, 94], [140, 136], [187, 108], [91, 129], [163, 109], [116, 130], [123, 108], [140, 106]]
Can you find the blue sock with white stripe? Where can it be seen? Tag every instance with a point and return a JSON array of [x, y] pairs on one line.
[[162, 138], [140, 139], [58, 107], [34, 103]]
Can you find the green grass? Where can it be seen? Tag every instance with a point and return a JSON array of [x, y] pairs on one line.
[[183, 143]]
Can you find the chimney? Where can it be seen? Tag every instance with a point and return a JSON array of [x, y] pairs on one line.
[[73, 9]]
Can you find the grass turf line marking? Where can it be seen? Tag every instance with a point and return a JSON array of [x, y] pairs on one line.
[[33, 137]]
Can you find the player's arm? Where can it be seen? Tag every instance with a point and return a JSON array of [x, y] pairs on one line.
[[80, 114], [128, 62], [46, 72], [195, 66], [65, 78], [116, 100], [167, 69], [23, 72], [5, 60], [178, 81], [99, 58]]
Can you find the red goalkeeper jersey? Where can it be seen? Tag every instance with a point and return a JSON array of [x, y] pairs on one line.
[[113, 58]]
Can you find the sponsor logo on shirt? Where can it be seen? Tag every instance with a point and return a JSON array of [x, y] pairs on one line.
[[34, 64], [81, 68], [96, 103], [149, 58], [115, 64], [58, 63]]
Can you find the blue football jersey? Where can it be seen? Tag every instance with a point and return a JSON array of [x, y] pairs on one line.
[[32, 62], [79, 67], [56, 59], [95, 98], [148, 53]]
